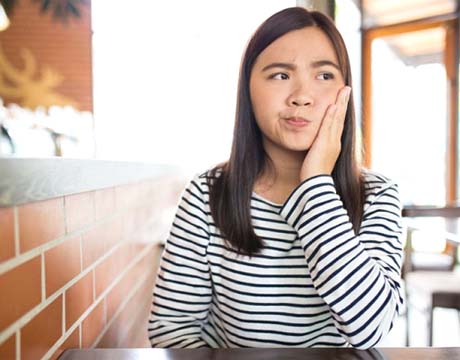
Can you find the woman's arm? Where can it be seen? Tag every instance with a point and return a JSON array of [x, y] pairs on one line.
[[182, 294], [357, 276]]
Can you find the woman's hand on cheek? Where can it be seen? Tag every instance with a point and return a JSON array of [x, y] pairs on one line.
[[325, 149]]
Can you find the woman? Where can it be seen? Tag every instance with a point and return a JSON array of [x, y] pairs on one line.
[[290, 242]]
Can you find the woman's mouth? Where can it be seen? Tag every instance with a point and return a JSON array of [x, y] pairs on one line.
[[298, 121]]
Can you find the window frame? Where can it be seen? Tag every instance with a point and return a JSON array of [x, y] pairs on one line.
[[451, 22]]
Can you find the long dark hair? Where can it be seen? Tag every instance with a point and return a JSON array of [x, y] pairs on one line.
[[231, 183]]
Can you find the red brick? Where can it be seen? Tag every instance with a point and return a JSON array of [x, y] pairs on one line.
[[151, 261], [129, 225], [100, 240], [8, 348], [111, 336], [113, 231], [62, 264], [93, 325], [40, 334], [20, 291], [136, 339], [147, 191], [126, 196], [116, 296], [79, 210], [147, 266], [40, 222], [173, 187], [138, 221], [72, 342], [78, 298], [126, 325], [138, 307], [112, 266], [6, 234], [141, 217], [93, 245], [105, 202], [135, 316]]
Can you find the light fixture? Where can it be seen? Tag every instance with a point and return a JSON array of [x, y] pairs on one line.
[[4, 21]]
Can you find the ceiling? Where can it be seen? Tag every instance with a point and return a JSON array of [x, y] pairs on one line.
[[416, 47], [384, 12]]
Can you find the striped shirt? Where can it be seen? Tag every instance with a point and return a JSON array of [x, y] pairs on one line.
[[315, 283]]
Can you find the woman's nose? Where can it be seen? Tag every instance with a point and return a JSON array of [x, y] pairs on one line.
[[301, 96], [300, 102]]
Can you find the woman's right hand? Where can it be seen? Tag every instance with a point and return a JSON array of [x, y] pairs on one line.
[[325, 149]]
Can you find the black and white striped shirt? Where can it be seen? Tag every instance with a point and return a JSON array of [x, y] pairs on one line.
[[315, 283]]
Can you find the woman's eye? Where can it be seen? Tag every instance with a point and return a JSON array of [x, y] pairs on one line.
[[279, 76], [326, 76]]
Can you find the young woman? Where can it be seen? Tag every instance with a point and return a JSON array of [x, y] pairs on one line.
[[289, 242]]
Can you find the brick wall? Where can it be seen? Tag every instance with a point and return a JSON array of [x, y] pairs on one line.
[[78, 271]]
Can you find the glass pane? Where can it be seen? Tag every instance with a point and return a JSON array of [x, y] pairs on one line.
[[384, 12], [409, 115]]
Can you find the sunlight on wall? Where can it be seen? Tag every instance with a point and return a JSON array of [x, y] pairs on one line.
[[165, 77]]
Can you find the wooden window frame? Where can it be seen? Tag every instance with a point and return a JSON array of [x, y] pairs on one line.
[[451, 61]]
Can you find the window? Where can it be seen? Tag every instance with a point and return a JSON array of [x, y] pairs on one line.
[[165, 77], [410, 92]]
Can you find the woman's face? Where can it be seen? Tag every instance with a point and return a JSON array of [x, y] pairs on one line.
[[292, 83]]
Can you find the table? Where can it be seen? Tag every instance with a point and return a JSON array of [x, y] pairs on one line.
[[264, 354], [444, 221]]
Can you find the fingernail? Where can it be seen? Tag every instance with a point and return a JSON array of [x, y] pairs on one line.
[[348, 91]]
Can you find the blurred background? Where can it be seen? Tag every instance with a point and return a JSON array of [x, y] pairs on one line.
[[155, 82], [150, 81]]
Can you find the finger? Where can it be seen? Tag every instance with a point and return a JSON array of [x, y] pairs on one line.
[[335, 113], [329, 117], [342, 104], [342, 95], [342, 100]]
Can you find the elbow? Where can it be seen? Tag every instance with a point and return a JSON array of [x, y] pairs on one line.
[[363, 340], [366, 332], [369, 334]]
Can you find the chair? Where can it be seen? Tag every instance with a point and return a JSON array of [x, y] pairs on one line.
[[431, 280], [427, 290]]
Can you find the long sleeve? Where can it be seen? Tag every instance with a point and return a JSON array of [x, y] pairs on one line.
[[358, 276], [182, 293]]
